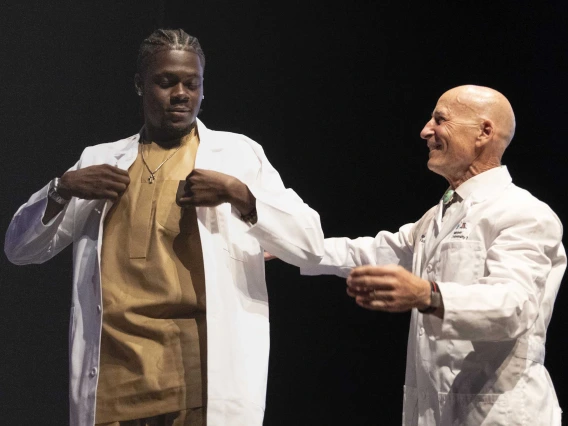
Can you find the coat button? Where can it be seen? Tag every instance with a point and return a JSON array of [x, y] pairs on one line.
[[421, 332], [429, 268], [93, 372], [99, 309]]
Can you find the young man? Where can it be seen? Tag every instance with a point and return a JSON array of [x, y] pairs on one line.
[[169, 315]]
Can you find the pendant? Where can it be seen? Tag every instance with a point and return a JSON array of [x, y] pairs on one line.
[[151, 179]]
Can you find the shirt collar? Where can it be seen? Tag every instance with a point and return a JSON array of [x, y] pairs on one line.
[[483, 185]]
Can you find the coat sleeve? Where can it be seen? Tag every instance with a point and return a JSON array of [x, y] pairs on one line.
[[286, 227], [343, 254], [28, 240], [524, 266]]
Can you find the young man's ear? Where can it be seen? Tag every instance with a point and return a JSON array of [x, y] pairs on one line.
[[138, 84]]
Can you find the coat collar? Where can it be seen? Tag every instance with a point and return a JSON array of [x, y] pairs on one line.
[[485, 185], [473, 191], [207, 141], [128, 148]]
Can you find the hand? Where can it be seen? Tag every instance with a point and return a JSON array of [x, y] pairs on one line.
[[209, 188], [268, 256], [95, 182], [387, 288], [205, 188]]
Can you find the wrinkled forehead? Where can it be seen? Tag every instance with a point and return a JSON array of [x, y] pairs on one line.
[[456, 103]]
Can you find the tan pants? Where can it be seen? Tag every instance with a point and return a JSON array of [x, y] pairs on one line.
[[189, 417]]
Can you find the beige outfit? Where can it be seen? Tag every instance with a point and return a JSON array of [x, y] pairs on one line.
[[153, 339], [189, 417], [238, 330]]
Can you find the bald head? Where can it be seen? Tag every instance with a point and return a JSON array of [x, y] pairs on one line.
[[470, 128], [486, 104]]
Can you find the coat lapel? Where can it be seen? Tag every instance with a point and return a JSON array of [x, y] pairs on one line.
[[447, 226], [209, 156], [209, 149], [474, 191]]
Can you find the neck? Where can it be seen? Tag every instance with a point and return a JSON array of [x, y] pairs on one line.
[[473, 170], [164, 138]]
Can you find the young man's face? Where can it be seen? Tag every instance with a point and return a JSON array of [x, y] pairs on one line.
[[172, 88]]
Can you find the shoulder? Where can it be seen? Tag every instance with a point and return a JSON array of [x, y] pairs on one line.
[[517, 207], [527, 204], [110, 147], [108, 152], [231, 139], [235, 145]]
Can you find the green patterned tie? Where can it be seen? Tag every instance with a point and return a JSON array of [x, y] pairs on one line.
[[448, 196]]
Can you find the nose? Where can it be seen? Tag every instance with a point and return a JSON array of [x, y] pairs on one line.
[[428, 130], [180, 92]]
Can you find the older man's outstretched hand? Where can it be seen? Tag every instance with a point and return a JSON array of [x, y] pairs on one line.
[[387, 288]]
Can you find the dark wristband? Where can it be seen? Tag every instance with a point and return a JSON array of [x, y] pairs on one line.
[[435, 299]]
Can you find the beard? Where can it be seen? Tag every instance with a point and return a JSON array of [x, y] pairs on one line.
[[168, 133]]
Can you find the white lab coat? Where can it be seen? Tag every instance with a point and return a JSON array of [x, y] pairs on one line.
[[498, 259], [237, 301]]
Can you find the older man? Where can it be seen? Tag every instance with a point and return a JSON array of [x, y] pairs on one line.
[[480, 272], [169, 316]]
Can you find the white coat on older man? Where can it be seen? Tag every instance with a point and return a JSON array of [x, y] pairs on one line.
[[498, 259]]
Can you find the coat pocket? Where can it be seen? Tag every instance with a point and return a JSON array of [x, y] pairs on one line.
[[474, 409], [461, 261]]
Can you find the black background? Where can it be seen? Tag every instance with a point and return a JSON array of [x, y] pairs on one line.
[[337, 95]]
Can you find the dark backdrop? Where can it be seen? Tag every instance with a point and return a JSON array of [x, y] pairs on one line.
[[337, 95]]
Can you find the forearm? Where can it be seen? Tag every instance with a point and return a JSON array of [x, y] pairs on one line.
[[482, 312], [240, 197], [58, 195], [287, 227], [29, 239]]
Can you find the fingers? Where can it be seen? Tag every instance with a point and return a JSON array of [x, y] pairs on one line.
[[185, 201], [198, 201], [376, 270], [268, 256], [371, 282], [101, 181], [114, 169], [110, 195], [384, 276], [376, 300], [387, 288], [206, 188]]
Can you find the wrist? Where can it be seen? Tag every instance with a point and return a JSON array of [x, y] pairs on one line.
[[63, 189], [434, 299], [56, 193], [241, 198]]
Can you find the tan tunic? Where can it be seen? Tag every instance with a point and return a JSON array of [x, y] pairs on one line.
[[153, 344]]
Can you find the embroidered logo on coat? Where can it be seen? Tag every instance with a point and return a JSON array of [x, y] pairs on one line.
[[461, 231]]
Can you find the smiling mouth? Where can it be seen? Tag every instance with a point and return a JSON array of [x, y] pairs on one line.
[[434, 146]]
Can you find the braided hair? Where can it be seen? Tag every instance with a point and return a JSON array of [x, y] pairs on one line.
[[167, 39]]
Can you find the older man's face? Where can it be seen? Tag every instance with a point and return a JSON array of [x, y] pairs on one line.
[[451, 134]]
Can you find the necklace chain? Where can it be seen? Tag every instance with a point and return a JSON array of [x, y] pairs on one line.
[[152, 177]]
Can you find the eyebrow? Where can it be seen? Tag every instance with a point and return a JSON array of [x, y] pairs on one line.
[[174, 74]]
